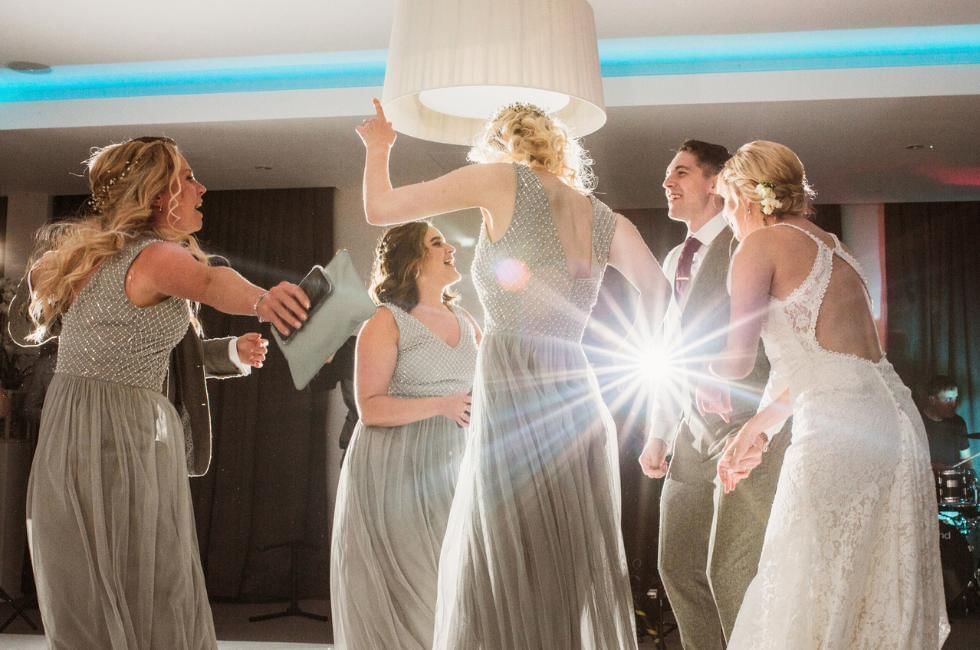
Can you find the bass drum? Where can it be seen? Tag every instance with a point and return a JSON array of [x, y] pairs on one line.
[[959, 567]]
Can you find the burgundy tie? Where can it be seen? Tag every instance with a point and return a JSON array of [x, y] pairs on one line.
[[682, 279]]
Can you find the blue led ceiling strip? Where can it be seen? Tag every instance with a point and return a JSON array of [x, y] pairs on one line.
[[661, 55]]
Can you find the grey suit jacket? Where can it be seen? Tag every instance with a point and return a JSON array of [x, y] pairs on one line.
[[191, 362], [704, 334]]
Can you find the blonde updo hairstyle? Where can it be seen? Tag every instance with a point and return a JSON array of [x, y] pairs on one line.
[[525, 134], [774, 165], [125, 179], [397, 265]]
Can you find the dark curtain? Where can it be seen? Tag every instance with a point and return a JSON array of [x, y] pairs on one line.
[[67, 206], [3, 234], [828, 217], [931, 274], [267, 483]]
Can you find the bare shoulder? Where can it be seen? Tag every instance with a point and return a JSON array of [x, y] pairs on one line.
[[467, 315], [624, 229], [492, 174], [760, 246], [164, 252], [758, 239], [380, 326]]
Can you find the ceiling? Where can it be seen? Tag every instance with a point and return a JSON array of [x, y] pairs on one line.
[[853, 143]]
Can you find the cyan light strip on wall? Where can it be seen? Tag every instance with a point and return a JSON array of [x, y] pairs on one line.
[[663, 55], [831, 49], [197, 76]]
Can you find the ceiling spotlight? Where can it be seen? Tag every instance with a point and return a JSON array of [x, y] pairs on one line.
[[28, 67], [918, 147]]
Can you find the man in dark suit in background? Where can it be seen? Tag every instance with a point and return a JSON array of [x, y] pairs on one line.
[[340, 370]]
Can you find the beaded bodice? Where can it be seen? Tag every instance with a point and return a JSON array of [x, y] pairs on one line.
[[427, 366], [523, 279], [104, 336]]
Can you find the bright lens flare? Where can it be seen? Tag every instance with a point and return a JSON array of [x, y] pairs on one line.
[[655, 364]]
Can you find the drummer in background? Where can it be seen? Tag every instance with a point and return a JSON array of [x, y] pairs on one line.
[[948, 443]]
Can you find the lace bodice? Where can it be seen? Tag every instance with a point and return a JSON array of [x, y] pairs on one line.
[[790, 331], [104, 336], [428, 366], [522, 278]]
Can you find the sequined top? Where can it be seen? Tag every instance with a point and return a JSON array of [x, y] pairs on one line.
[[104, 336], [428, 366], [522, 278]]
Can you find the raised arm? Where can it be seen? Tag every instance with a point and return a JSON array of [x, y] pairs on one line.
[[472, 186], [630, 255], [751, 280], [375, 360], [165, 269]]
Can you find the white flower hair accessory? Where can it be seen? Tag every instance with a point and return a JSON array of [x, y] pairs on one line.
[[767, 197]]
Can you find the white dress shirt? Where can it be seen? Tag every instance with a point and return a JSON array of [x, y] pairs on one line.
[[669, 411]]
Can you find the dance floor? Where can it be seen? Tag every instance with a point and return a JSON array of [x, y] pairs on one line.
[[36, 642], [237, 633]]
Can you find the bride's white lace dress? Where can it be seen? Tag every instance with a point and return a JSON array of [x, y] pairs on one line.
[[851, 553]]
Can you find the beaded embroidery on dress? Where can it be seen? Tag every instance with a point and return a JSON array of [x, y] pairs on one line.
[[851, 553], [110, 518], [396, 487], [533, 555]]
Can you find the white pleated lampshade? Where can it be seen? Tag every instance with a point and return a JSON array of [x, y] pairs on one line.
[[453, 63]]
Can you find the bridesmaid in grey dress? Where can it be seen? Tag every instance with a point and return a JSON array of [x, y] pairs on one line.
[[415, 359], [533, 555], [109, 513]]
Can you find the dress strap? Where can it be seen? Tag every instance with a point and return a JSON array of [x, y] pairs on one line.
[[809, 234], [406, 324], [603, 229]]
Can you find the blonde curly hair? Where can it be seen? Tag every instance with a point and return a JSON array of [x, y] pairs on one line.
[[125, 179], [773, 166], [525, 134]]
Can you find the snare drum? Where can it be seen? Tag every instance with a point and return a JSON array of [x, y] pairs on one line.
[[956, 488], [957, 536]]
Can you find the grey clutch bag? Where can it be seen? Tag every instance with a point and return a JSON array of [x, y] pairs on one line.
[[339, 305]]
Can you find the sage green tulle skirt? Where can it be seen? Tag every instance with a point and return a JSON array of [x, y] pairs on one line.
[[533, 555], [110, 522], [393, 500]]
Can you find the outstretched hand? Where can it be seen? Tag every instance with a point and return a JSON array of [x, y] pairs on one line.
[[376, 131], [653, 458], [742, 454], [284, 306], [252, 349]]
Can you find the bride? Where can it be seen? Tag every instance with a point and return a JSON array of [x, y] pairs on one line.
[[851, 557]]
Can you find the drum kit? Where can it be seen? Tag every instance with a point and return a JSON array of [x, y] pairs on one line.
[[959, 534]]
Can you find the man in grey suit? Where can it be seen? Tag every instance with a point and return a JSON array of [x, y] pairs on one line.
[[709, 542]]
